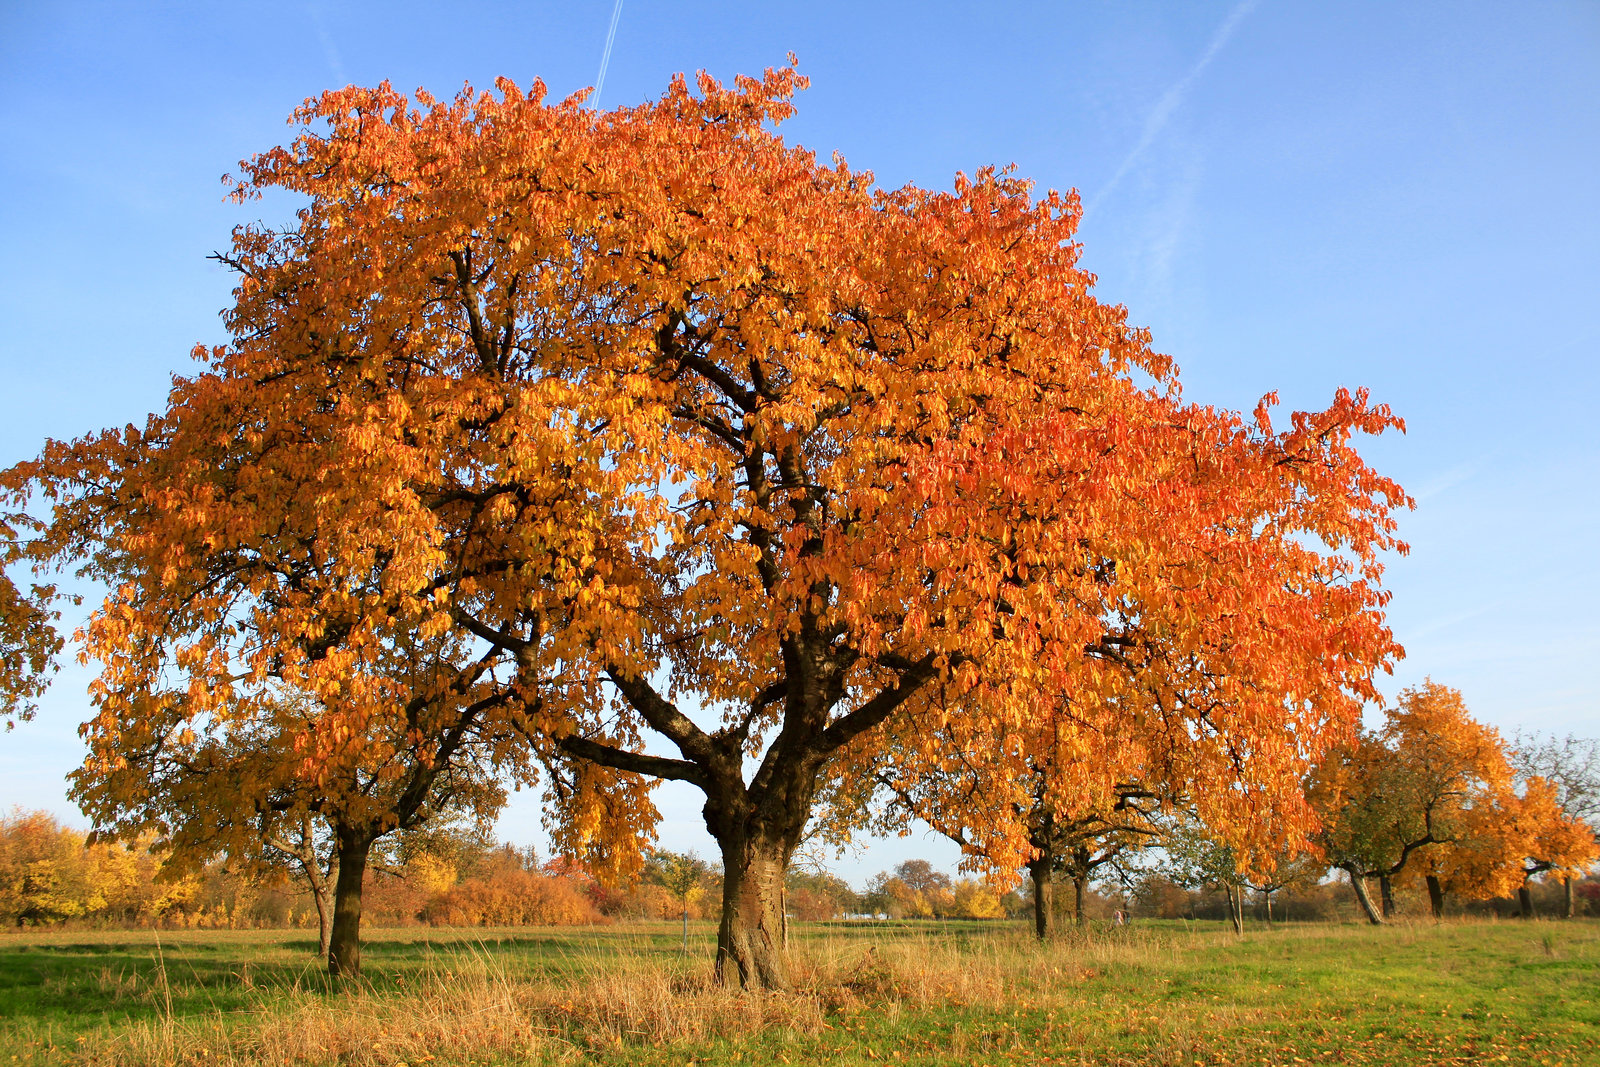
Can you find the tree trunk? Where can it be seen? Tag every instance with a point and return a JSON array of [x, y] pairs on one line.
[[1386, 894], [319, 893], [1080, 883], [1236, 909], [750, 936], [344, 946], [1358, 883], [686, 928], [1044, 920], [1435, 896], [1569, 905], [1525, 899], [1267, 896]]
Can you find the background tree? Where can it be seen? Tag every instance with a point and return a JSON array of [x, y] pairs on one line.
[[1201, 858], [683, 874], [814, 895], [1408, 787], [1572, 765], [243, 789], [1549, 839], [1291, 869], [620, 415]]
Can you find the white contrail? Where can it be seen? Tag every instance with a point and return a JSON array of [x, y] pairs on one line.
[[605, 57], [1157, 119]]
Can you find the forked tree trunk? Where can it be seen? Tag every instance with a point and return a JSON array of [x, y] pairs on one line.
[[344, 946], [1386, 894], [1358, 883], [1525, 900], [1236, 909], [1435, 896], [1044, 892], [1569, 909], [750, 936]]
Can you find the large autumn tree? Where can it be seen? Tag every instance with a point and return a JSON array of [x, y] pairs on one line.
[[715, 457]]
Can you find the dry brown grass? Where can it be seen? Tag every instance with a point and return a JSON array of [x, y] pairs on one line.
[[469, 1005]]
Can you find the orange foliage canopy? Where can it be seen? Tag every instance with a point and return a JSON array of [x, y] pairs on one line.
[[1432, 796], [647, 423], [1392, 801]]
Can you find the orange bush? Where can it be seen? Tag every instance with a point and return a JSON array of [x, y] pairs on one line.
[[513, 898]]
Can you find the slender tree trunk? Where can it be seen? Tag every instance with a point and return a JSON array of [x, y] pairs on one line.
[[1044, 921], [319, 893], [686, 928], [750, 936], [1386, 893], [1080, 883], [1569, 908], [1435, 896], [1236, 909], [1525, 899], [1267, 896], [344, 946], [1358, 883]]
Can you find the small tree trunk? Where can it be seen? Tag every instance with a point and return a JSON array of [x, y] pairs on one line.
[[1080, 884], [1266, 895], [1435, 896], [1236, 909], [1386, 893], [1525, 899], [1358, 883], [750, 936], [1569, 908], [1044, 922], [320, 893], [344, 946], [686, 928]]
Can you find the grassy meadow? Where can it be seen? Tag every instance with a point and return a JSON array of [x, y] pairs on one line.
[[1169, 993]]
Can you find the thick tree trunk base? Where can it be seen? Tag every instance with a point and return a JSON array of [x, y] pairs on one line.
[[750, 936], [1386, 895], [1525, 902], [1435, 897], [1079, 888]]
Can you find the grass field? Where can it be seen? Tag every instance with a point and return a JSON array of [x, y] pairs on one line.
[[1156, 993]]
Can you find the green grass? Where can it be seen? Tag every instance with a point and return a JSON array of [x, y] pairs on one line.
[[1159, 993]]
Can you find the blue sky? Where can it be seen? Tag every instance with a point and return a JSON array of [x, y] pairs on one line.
[[1291, 196]]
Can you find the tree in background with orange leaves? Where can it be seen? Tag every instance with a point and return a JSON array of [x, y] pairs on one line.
[[1571, 765], [591, 430], [1419, 783]]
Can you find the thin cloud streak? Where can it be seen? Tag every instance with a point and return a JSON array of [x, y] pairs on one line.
[[1157, 120], [330, 51]]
